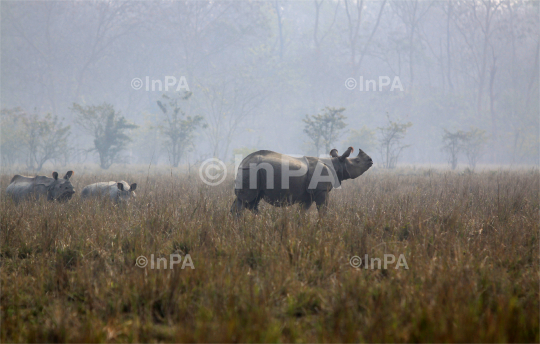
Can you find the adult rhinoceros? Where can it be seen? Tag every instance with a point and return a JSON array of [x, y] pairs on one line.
[[117, 191], [22, 187], [283, 180]]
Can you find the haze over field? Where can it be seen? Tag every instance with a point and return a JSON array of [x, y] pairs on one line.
[[122, 220], [256, 69]]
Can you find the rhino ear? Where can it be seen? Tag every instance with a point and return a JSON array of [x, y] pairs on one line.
[[346, 154], [69, 174], [55, 175], [334, 153], [120, 186], [133, 187]]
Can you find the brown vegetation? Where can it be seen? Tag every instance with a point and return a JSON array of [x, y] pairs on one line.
[[470, 240]]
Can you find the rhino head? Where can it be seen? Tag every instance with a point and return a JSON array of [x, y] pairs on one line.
[[124, 194], [60, 189], [351, 167]]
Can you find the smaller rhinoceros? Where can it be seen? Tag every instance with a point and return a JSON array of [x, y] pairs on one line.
[[117, 191], [55, 189]]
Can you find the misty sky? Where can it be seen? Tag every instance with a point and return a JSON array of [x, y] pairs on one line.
[[256, 69]]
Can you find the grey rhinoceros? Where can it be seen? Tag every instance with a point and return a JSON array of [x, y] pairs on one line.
[[22, 187], [283, 180], [117, 191]]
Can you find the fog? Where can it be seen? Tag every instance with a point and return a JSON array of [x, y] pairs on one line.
[[254, 70]]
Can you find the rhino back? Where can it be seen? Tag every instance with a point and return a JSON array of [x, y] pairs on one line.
[[18, 179], [101, 189], [269, 176], [23, 187]]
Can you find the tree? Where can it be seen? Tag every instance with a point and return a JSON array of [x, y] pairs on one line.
[[67, 65], [471, 62], [363, 138], [452, 145], [45, 139], [355, 23], [227, 106], [145, 138], [474, 141], [108, 129], [11, 135], [390, 141], [178, 128], [411, 13], [471, 142], [37, 139], [324, 129]]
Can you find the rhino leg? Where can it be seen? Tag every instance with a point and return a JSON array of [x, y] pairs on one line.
[[236, 207], [239, 205], [254, 205], [321, 200], [306, 205]]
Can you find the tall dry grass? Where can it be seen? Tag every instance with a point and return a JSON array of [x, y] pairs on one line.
[[68, 271]]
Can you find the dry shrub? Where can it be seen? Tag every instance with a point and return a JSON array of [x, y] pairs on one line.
[[471, 243]]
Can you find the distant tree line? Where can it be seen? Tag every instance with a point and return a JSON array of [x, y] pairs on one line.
[[34, 140], [253, 66], [324, 131], [471, 143]]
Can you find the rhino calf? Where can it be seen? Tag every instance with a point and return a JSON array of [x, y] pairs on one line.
[[117, 191], [55, 189], [282, 180]]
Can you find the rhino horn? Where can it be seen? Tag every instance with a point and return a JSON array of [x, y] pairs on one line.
[[346, 154], [55, 175], [334, 153]]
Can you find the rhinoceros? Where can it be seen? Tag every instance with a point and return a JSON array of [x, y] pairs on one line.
[[117, 191], [282, 180], [22, 187]]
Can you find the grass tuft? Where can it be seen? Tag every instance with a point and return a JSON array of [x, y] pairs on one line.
[[69, 274]]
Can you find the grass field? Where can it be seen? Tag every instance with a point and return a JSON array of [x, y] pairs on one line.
[[471, 243]]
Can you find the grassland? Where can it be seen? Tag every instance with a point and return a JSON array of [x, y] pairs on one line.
[[471, 242]]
